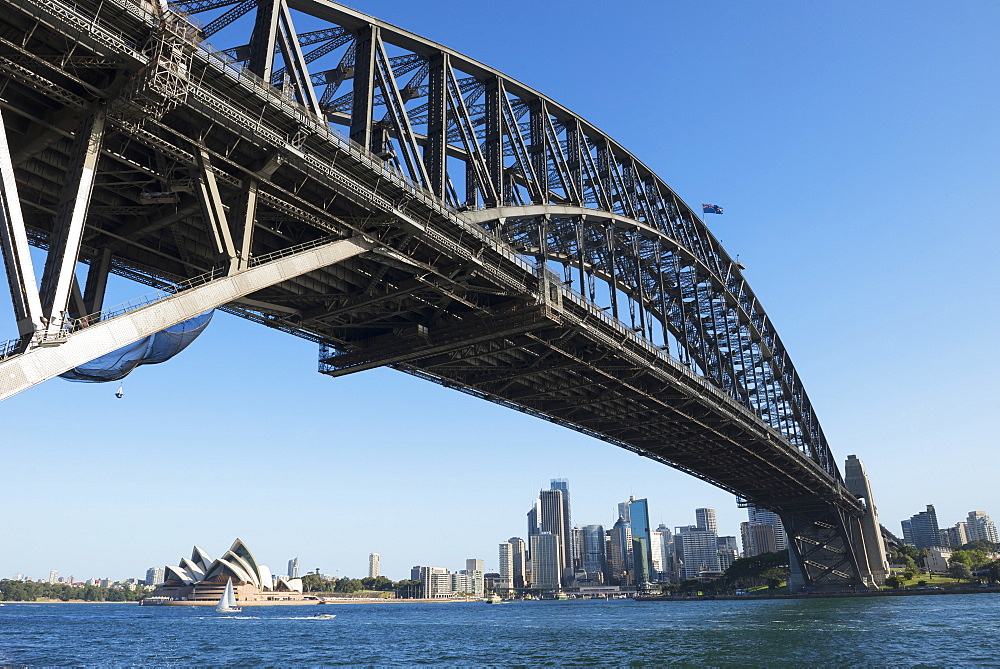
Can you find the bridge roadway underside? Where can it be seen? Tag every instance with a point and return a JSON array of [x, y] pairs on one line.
[[218, 168]]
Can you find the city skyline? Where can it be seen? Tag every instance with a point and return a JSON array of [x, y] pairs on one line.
[[838, 170]]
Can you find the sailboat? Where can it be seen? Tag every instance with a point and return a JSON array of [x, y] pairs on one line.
[[227, 602]]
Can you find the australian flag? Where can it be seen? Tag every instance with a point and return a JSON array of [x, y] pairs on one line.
[[710, 208]]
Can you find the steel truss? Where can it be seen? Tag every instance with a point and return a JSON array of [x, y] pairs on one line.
[[135, 146]]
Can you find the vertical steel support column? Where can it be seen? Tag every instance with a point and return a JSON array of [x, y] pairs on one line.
[[97, 282], [494, 139], [364, 85], [245, 218], [64, 250], [14, 244], [536, 151], [574, 159], [436, 149], [295, 63], [213, 210], [612, 265], [264, 38], [581, 250]]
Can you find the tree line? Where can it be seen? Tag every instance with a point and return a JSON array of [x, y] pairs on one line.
[[313, 582], [28, 591]]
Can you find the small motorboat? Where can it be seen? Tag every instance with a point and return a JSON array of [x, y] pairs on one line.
[[324, 616]]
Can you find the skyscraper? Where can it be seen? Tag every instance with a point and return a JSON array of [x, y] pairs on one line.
[[374, 560], [593, 559], [506, 555], [570, 558], [765, 539], [533, 523], [705, 519], [546, 565], [638, 515], [698, 550], [552, 519], [293, 568], [475, 570], [924, 528], [520, 558], [620, 552], [979, 527]]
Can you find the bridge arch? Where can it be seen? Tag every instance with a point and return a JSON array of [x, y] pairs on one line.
[[468, 184]]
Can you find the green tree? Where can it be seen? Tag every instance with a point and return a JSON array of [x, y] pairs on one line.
[[894, 581], [960, 570]]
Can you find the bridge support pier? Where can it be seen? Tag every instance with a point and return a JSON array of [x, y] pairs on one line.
[[833, 548]]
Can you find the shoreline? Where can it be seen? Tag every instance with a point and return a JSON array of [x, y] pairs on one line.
[[823, 595]]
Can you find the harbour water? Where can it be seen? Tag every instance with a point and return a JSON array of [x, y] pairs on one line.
[[953, 630]]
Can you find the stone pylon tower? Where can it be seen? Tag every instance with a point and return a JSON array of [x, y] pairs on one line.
[[871, 532]]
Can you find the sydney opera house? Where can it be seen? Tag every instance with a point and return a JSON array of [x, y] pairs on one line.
[[201, 580]]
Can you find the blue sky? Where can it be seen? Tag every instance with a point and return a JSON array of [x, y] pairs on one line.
[[854, 148]]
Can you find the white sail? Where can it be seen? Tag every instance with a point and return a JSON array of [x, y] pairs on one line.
[[227, 602]]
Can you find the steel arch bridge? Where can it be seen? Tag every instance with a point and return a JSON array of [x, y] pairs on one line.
[[316, 170]]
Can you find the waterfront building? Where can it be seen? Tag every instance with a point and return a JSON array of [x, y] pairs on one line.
[[619, 553], [907, 532], [936, 560], [293, 568], [705, 519], [924, 529], [475, 569], [201, 580], [546, 565], [53, 576], [374, 565], [435, 582], [697, 549], [979, 527], [520, 558], [154, 575]]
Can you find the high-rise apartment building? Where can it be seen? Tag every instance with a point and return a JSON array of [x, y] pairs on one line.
[[770, 540], [979, 527], [907, 532], [293, 568], [705, 520], [475, 569], [952, 537], [53, 576], [924, 531], [374, 565], [546, 563], [697, 549], [155, 575]]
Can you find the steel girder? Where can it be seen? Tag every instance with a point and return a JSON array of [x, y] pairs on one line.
[[458, 174]]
